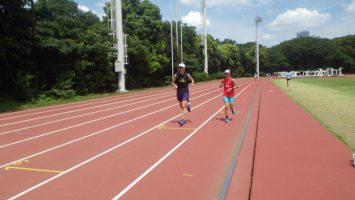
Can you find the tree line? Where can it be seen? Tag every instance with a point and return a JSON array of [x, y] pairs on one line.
[[50, 48]]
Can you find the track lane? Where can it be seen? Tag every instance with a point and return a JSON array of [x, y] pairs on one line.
[[81, 133], [9, 124], [27, 112], [30, 126], [89, 123], [94, 141], [194, 168]]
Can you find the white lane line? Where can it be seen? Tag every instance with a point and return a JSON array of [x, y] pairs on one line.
[[155, 165], [95, 120], [93, 134], [85, 103], [82, 109], [68, 106], [88, 122], [108, 151], [77, 116]]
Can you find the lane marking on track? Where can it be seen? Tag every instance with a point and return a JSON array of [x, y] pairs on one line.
[[32, 169], [239, 142], [104, 130], [160, 95], [222, 112], [87, 102], [155, 165], [120, 145], [164, 127], [186, 175], [19, 162], [99, 119], [86, 114]]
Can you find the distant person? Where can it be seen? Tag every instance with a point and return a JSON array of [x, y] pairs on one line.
[[288, 78], [229, 85], [181, 82]]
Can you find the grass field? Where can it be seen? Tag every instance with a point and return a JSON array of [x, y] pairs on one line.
[[329, 100]]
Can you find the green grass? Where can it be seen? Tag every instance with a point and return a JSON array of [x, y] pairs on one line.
[[329, 100]]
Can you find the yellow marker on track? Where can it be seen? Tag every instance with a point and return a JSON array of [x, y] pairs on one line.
[[186, 175], [174, 128], [32, 169]]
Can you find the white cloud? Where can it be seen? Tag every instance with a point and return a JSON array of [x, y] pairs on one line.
[[193, 18], [301, 17], [83, 8], [350, 7], [267, 37]]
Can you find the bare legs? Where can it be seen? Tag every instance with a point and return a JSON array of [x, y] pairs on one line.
[[183, 108]]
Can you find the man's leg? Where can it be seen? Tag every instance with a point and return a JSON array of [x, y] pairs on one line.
[[226, 108], [183, 107], [231, 102]]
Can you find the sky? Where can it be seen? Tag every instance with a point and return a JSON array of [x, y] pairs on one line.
[[282, 19]]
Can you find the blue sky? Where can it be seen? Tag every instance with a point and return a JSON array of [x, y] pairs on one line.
[[282, 19]]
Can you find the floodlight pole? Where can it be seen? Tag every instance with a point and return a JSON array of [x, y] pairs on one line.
[[203, 15], [176, 27], [257, 21], [171, 39], [181, 45], [119, 63]]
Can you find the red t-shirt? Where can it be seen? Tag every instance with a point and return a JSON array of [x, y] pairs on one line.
[[228, 84]]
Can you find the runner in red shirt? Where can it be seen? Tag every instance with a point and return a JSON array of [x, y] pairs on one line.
[[229, 86]]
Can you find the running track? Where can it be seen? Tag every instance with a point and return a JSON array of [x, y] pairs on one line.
[[130, 147], [125, 146]]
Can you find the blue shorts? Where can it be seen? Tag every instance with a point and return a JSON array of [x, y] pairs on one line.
[[228, 100], [183, 96]]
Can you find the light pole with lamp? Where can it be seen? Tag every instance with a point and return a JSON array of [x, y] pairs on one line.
[[257, 21]]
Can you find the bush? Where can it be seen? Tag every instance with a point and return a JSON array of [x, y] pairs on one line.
[[216, 76], [64, 87], [23, 86], [200, 76]]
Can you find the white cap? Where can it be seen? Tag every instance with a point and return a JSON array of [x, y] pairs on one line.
[[227, 71], [182, 65]]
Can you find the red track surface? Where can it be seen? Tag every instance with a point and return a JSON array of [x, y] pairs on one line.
[[130, 147]]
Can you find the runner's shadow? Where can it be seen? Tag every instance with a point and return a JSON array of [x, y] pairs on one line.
[[177, 121], [352, 162], [223, 119]]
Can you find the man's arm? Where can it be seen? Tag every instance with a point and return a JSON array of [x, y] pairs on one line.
[[192, 80], [173, 82], [235, 84], [221, 84]]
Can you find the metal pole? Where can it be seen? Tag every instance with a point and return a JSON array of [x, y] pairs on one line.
[[181, 45], [176, 27], [119, 64], [257, 21], [205, 27], [171, 39]]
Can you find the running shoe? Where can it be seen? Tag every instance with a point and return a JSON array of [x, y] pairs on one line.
[[188, 106], [233, 112], [182, 122], [227, 120]]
